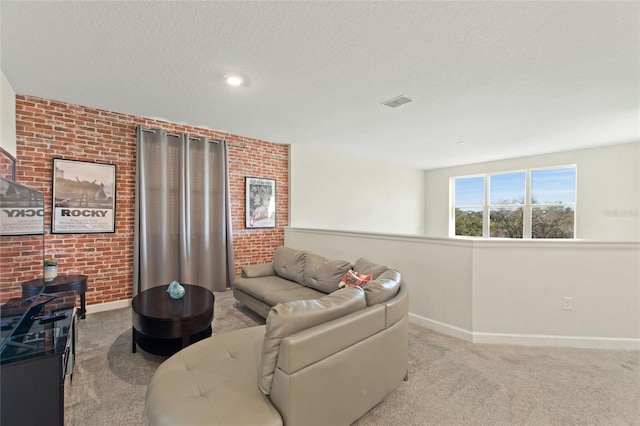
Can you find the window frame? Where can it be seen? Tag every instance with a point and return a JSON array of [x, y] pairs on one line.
[[527, 206]]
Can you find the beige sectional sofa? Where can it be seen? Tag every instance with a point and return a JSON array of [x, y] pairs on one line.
[[325, 356]]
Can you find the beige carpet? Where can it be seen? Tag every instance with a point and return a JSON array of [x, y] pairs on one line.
[[451, 382]]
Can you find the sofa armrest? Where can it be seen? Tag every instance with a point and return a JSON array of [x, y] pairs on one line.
[[397, 307], [259, 270], [314, 344]]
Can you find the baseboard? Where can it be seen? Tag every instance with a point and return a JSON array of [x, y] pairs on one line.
[[586, 342], [441, 327], [109, 306], [476, 337]]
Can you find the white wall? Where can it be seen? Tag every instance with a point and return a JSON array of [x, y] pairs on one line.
[[7, 115], [608, 196], [485, 291], [508, 292], [345, 192], [379, 197], [519, 286]]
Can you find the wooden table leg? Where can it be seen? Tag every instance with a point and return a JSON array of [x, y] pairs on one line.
[[83, 306]]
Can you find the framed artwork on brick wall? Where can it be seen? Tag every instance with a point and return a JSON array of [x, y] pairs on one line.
[[84, 197], [260, 203], [7, 165], [21, 209]]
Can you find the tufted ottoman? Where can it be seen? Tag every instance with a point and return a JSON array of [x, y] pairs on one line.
[[212, 382]]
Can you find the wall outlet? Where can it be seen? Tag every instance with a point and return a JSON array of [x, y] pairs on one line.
[[567, 303]]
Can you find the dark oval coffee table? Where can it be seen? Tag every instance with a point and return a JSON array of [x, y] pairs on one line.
[[163, 326]]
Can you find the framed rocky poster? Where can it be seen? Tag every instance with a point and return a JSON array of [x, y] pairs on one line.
[[84, 197], [21, 209], [260, 203]]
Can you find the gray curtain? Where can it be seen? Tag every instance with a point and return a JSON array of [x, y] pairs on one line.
[[183, 215]]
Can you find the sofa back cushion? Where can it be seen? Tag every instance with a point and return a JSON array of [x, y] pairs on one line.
[[367, 267], [289, 263], [322, 274], [383, 288], [288, 318]]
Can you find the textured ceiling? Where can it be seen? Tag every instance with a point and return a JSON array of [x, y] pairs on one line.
[[506, 78]]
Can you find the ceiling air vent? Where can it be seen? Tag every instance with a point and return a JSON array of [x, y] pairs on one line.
[[397, 101]]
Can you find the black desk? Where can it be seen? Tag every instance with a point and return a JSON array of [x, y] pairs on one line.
[[77, 283], [35, 358]]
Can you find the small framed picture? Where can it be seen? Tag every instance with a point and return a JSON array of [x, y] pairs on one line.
[[84, 197], [260, 203]]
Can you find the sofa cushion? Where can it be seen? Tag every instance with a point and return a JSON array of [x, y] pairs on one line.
[[288, 318], [261, 287], [289, 263], [289, 295], [383, 288], [322, 274], [259, 270], [367, 267]]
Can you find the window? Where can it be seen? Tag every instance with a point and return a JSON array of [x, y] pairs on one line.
[[506, 205], [469, 205], [537, 203], [553, 199]]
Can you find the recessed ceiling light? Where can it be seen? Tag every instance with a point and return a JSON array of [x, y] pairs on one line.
[[234, 80]]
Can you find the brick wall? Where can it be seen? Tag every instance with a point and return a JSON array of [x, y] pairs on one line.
[[47, 129]]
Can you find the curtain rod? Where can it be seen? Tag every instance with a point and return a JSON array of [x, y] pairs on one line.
[[144, 129]]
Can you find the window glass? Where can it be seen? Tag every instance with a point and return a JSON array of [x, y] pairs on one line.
[[469, 191], [469, 222], [505, 222], [552, 221], [506, 189], [554, 186]]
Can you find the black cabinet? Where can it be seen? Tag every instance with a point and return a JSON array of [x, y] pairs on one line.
[[36, 355]]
